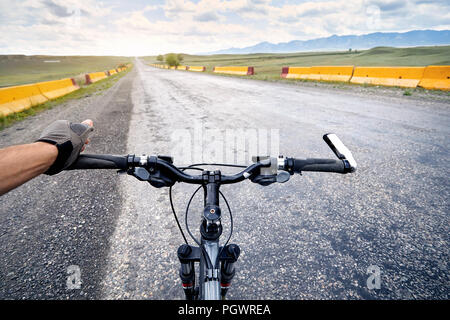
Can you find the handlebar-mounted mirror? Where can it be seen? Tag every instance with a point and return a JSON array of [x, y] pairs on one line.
[[340, 150]]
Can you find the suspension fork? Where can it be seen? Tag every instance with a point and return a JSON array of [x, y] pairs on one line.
[[187, 256], [213, 283]]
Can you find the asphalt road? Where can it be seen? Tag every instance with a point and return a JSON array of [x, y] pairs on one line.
[[313, 237]]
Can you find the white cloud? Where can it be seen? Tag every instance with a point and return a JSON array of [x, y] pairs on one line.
[[90, 27]]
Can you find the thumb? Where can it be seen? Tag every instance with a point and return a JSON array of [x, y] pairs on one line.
[[89, 122]]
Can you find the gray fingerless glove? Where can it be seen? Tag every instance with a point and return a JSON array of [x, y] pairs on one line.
[[69, 138]]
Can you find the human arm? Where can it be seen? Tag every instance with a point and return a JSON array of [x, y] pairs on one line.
[[57, 148]]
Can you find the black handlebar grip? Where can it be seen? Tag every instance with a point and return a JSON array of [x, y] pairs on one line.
[[99, 161], [319, 165]]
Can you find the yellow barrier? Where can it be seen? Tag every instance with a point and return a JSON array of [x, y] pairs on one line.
[[181, 68], [94, 77], [19, 98], [321, 73], [331, 73], [388, 76], [235, 70], [296, 72], [111, 72], [57, 88], [196, 68], [436, 77]]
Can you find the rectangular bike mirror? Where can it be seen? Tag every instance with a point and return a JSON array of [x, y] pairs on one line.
[[339, 149]]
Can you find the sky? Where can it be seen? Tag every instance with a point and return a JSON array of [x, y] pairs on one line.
[[138, 27]]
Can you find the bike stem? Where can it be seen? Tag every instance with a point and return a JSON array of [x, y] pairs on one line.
[[210, 230], [211, 227]]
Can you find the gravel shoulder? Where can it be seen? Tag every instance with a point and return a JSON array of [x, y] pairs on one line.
[[51, 223]]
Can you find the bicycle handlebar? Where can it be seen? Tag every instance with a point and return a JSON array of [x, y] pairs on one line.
[[160, 169], [96, 161], [291, 165], [319, 165], [100, 161]]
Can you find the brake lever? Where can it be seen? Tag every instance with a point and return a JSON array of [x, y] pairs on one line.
[[151, 173], [283, 177], [269, 174], [265, 180]]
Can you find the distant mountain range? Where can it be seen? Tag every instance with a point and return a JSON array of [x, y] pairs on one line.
[[392, 39]]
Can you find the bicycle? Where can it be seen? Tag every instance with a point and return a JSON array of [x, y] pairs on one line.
[[216, 263]]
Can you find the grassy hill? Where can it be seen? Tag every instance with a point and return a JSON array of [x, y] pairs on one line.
[[268, 66], [21, 69]]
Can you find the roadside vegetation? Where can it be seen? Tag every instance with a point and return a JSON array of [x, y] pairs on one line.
[[268, 65], [84, 91], [170, 59], [21, 69]]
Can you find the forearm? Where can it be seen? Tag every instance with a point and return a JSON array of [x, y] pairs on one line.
[[18, 164]]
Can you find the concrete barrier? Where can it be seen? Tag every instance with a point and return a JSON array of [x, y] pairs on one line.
[[243, 71], [57, 88], [295, 72], [284, 72], [197, 68], [19, 98], [436, 77], [320, 73], [331, 73], [408, 77], [94, 77]]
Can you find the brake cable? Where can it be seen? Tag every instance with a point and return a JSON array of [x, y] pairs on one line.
[[194, 167], [175, 216], [217, 165], [172, 206], [231, 230], [205, 254]]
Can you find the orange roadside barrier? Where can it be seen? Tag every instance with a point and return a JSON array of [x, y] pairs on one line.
[[436, 77], [388, 76]]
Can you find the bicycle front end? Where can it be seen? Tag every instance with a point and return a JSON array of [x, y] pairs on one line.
[[216, 263]]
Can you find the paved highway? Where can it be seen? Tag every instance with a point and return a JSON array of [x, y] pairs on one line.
[[313, 237]]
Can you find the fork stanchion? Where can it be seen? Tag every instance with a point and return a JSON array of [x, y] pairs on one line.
[[227, 270], [187, 271]]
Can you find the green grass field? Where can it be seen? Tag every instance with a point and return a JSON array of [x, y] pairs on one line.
[[85, 91], [20, 69], [268, 66]]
